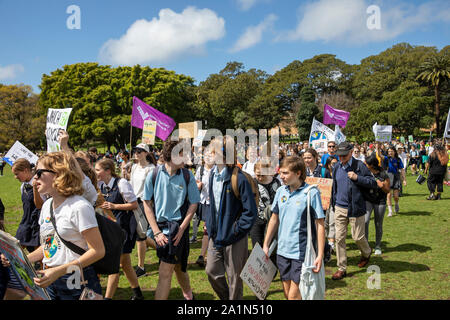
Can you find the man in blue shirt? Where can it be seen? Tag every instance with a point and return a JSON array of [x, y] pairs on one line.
[[175, 204], [331, 152], [349, 176]]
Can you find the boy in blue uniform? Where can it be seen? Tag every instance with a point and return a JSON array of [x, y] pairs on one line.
[[290, 220]]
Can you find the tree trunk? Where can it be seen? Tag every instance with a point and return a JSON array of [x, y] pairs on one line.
[[437, 110]]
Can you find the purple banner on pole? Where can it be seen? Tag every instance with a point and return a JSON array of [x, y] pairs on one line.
[[335, 116], [142, 111]]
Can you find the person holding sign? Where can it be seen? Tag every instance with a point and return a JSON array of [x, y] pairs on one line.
[[289, 220], [59, 175]]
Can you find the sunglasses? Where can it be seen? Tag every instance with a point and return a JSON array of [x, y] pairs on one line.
[[139, 150], [39, 172], [331, 146]]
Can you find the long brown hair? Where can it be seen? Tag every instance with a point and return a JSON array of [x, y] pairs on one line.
[[441, 154]]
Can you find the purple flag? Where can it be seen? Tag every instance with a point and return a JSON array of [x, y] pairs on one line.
[[335, 116], [142, 111]]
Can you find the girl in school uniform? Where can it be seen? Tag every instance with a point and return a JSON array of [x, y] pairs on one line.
[[121, 199], [28, 230]]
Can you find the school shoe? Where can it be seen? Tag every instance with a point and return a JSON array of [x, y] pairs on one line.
[[135, 297], [364, 261], [339, 275], [140, 272], [200, 261]]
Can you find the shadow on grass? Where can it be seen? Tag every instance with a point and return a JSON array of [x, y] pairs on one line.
[[408, 247], [415, 213]]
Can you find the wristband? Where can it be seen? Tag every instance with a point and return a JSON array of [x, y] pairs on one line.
[[158, 233]]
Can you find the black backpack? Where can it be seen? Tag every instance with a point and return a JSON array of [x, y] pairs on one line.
[[113, 239]]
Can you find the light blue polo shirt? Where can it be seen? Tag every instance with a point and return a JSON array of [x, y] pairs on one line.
[[170, 193], [291, 210]]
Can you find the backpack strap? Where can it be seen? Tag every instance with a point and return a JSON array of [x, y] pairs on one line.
[[251, 181], [202, 171], [323, 172]]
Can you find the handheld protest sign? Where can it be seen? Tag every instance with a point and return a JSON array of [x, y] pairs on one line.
[[56, 119], [18, 151], [325, 185], [21, 266], [258, 272], [149, 132]]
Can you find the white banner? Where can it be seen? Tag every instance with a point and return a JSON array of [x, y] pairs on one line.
[[18, 151], [447, 126], [319, 136], [338, 135], [258, 272], [382, 133], [56, 119]]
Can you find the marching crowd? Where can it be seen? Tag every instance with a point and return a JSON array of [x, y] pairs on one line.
[[155, 199]]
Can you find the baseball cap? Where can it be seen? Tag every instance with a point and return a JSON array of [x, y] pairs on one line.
[[142, 146], [344, 148]]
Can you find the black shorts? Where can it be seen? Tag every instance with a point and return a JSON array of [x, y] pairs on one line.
[[175, 255], [290, 269]]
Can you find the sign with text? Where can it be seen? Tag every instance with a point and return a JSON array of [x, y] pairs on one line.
[[319, 136], [258, 272], [56, 119], [21, 266], [325, 185], [149, 132], [189, 129], [382, 133], [18, 151]]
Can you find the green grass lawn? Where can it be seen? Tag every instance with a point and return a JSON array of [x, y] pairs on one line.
[[415, 263]]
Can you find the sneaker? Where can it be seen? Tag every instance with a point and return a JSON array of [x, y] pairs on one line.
[[377, 252], [193, 240], [390, 214], [140, 272], [438, 197], [332, 247], [135, 297], [431, 197], [200, 261], [397, 208]]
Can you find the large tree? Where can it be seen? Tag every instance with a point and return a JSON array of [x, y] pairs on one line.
[[307, 111], [101, 98], [20, 118], [435, 71]]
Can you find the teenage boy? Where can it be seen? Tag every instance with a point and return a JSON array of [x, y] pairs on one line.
[[228, 223], [289, 218], [175, 203]]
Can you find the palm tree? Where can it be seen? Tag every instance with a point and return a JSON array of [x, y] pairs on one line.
[[434, 71]]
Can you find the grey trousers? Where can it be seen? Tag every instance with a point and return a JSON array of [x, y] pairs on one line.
[[229, 260], [378, 211]]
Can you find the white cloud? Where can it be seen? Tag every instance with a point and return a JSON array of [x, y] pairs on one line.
[[246, 4], [165, 38], [346, 20], [253, 34], [11, 71]]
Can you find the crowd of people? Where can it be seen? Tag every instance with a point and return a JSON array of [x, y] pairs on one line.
[[234, 201]]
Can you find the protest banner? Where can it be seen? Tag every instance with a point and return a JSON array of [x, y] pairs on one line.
[[21, 266], [56, 119], [199, 138], [335, 116], [142, 111], [325, 185], [402, 139], [18, 151], [338, 135], [259, 271], [382, 133], [148, 132], [319, 136], [410, 138], [447, 126]]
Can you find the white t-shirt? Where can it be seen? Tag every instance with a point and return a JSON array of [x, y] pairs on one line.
[[72, 217], [204, 194], [90, 194], [137, 179], [249, 167]]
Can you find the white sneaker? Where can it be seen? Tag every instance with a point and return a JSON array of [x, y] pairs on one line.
[[377, 252], [390, 214], [397, 209]]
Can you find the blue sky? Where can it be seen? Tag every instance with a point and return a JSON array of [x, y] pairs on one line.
[[198, 38]]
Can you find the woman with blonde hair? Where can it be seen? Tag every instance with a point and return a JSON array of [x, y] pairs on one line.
[[59, 175], [120, 198]]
